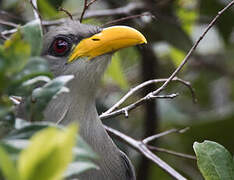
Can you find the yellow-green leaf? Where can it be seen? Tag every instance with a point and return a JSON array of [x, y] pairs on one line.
[[7, 166], [16, 53], [48, 154]]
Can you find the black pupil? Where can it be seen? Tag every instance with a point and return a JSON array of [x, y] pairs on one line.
[[60, 46]]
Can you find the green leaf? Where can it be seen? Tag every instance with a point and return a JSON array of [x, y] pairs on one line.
[[214, 161], [47, 9], [26, 131], [77, 168], [7, 166], [15, 53], [32, 34], [36, 66], [41, 96], [18, 140], [115, 72], [48, 154]]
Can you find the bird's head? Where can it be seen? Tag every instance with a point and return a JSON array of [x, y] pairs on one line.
[[85, 50]]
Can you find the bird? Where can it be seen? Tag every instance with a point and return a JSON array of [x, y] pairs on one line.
[[85, 51]]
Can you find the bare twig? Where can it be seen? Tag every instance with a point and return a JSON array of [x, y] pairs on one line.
[[170, 96], [86, 6], [8, 32], [66, 12], [110, 112], [142, 148], [151, 138], [36, 12], [3, 37], [127, 18], [187, 156], [125, 10], [192, 49], [11, 24], [160, 89], [35, 9]]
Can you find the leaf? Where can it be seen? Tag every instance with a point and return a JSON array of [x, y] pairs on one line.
[[77, 168], [47, 8], [82, 153], [26, 131], [15, 54], [7, 166], [36, 66], [48, 155], [42, 95], [32, 33], [214, 161], [115, 72]]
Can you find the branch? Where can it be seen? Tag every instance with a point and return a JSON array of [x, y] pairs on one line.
[[125, 10], [86, 6], [151, 138], [142, 148], [11, 24], [36, 12], [187, 156], [35, 9], [127, 18], [193, 49], [130, 107], [66, 12], [111, 112]]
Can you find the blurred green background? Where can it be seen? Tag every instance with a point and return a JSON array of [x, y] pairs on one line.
[[171, 30]]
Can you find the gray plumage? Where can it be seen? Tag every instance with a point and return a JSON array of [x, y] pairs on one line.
[[79, 104]]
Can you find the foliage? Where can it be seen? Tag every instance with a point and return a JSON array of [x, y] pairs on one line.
[[35, 150], [214, 161], [170, 35]]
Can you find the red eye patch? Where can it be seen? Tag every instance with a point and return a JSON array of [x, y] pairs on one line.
[[60, 46]]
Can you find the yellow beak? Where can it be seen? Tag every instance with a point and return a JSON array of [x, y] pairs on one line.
[[108, 40]]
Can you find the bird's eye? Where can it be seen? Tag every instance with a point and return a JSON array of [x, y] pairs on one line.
[[60, 46]]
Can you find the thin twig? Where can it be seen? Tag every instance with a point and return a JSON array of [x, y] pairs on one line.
[[151, 138], [66, 12], [3, 37], [160, 89], [193, 49], [8, 32], [167, 96], [11, 24], [35, 9], [111, 110], [86, 6], [37, 15], [127, 18], [142, 148], [187, 156], [125, 10]]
